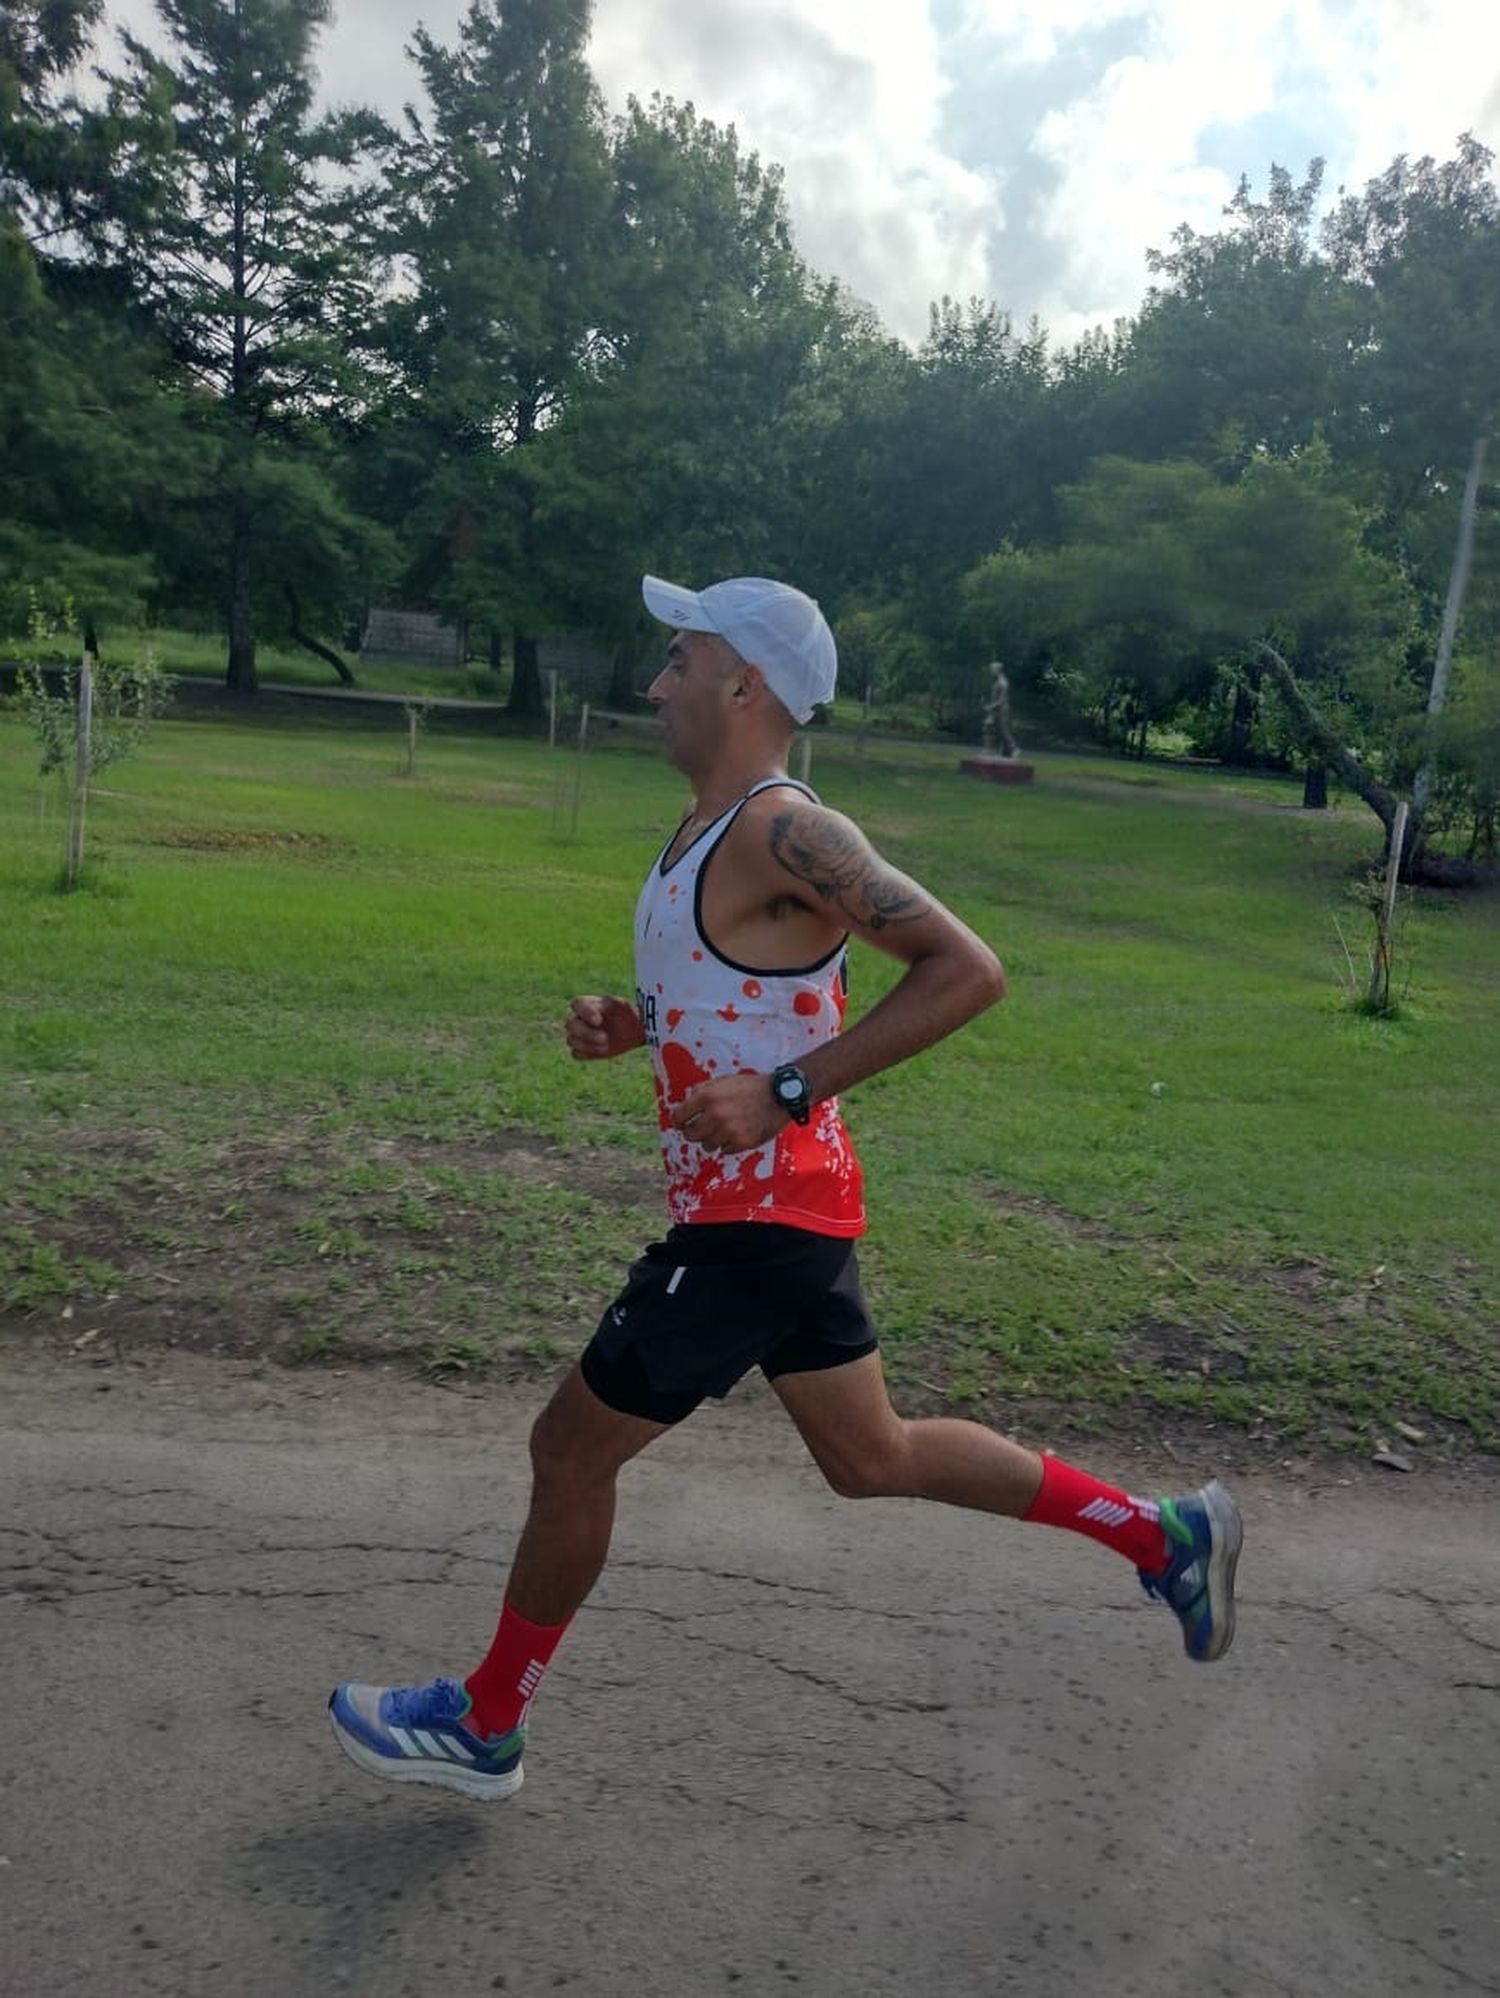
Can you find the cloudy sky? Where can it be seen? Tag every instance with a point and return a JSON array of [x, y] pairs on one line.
[[1026, 150]]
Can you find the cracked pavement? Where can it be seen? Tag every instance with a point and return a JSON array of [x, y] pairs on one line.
[[879, 1749]]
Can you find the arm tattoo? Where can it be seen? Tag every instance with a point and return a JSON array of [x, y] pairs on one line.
[[842, 866]]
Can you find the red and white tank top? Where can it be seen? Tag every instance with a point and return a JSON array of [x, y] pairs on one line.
[[706, 1016]]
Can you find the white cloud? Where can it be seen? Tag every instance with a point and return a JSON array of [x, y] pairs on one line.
[[1127, 152], [1372, 78], [1413, 76], [848, 97]]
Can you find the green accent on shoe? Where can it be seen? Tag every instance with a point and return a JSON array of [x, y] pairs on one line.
[[493, 1744], [501, 1744], [1172, 1523]]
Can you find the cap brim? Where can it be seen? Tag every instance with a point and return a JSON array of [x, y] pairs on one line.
[[670, 604]]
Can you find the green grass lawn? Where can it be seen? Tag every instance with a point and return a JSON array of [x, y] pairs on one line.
[[288, 1075]]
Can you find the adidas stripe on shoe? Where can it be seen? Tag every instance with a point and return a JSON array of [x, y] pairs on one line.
[[415, 1734]]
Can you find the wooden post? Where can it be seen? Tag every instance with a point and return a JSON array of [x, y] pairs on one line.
[[804, 759], [411, 741], [80, 796]]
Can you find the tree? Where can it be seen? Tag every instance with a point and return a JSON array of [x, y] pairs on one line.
[[603, 349], [500, 209], [41, 43], [100, 714], [1118, 597], [1241, 343], [1166, 568], [720, 324], [240, 238], [696, 449], [1467, 743], [88, 444], [1419, 251]]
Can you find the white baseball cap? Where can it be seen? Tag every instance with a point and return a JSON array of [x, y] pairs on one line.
[[770, 625]]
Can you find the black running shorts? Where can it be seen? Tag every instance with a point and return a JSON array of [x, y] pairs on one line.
[[702, 1308]]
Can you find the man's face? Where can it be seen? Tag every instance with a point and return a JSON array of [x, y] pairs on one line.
[[692, 695]]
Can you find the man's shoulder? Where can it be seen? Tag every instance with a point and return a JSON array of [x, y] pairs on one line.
[[787, 803]]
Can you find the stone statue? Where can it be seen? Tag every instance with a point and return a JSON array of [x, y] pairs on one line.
[[997, 714]]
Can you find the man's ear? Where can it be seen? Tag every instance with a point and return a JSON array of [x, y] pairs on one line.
[[748, 683]]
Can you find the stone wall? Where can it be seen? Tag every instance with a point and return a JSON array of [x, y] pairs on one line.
[[400, 634]]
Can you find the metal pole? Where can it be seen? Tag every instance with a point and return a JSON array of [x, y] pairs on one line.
[[552, 708], [1458, 583], [804, 759]]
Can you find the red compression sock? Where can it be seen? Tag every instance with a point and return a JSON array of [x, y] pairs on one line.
[[502, 1684], [1082, 1504]]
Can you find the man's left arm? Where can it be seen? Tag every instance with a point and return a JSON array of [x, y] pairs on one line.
[[825, 862]]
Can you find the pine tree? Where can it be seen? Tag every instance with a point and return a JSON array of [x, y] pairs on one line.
[[235, 219]]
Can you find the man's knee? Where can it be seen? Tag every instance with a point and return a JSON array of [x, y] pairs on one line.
[[578, 1441], [878, 1470], [558, 1451]]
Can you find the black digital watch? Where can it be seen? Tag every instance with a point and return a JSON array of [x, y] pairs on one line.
[[792, 1091]]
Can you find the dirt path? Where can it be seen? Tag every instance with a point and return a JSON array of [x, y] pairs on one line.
[[792, 1744]]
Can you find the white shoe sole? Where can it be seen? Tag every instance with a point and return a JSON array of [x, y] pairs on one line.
[[1229, 1534], [441, 1775]]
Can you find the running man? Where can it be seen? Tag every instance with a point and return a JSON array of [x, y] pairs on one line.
[[740, 939]]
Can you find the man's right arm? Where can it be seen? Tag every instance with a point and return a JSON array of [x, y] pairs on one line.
[[600, 1026]]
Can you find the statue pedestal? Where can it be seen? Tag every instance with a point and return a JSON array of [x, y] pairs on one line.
[[999, 769]]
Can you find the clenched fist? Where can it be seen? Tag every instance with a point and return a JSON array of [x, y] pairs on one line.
[[599, 1026]]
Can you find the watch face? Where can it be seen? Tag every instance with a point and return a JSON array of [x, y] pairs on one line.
[[789, 1089]]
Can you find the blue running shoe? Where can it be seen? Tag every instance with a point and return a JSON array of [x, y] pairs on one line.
[[415, 1734], [1204, 1532]]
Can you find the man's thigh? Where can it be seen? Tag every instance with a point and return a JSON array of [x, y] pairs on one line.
[[580, 1431]]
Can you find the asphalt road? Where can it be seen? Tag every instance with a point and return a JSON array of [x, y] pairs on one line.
[[794, 1744]]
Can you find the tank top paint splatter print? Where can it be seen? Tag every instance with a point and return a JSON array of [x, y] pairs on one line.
[[705, 1016]]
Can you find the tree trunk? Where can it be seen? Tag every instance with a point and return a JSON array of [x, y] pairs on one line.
[[622, 679], [313, 645], [526, 681], [240, 678], [1315, 788], [1237, 748], [1482, 842], [497, 650]]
